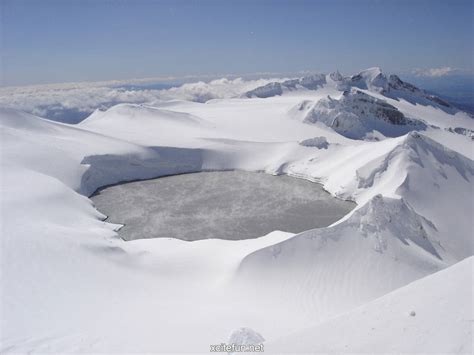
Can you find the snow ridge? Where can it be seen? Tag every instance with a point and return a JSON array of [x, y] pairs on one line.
[[383, 245], [311, 82], [357, 115], [413, 150], [372, 80]]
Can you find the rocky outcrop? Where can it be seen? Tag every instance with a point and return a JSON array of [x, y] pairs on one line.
[[358, 114]]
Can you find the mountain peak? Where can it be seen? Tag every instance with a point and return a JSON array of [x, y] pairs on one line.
[[372, 79], [336, 76], [371, 72]]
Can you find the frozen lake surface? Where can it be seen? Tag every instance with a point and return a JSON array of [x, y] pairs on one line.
[[226, 205]]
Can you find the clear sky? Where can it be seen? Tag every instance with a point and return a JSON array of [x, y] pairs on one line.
[[45, 41]]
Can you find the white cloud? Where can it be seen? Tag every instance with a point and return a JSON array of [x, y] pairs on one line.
[[434, 72], [73, 102]]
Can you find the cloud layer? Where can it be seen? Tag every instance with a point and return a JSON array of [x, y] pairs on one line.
[[72, 103], [434, 72]]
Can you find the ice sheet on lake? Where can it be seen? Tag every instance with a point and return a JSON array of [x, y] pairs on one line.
[[226, 205]]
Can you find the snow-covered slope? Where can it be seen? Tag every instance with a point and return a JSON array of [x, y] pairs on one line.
[[399, 322], [328, 271], [397, 232], [69, 284], [171, 125]]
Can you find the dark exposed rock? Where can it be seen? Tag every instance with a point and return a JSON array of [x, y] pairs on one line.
[[269, 90]]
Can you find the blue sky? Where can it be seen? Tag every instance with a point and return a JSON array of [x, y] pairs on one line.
[[47, 41]]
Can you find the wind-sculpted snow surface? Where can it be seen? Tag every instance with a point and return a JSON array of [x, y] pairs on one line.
[[69, 284], [383, 245], [399, 322]]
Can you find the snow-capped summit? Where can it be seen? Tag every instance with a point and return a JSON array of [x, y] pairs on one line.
[[371, 79], [336, 76]]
